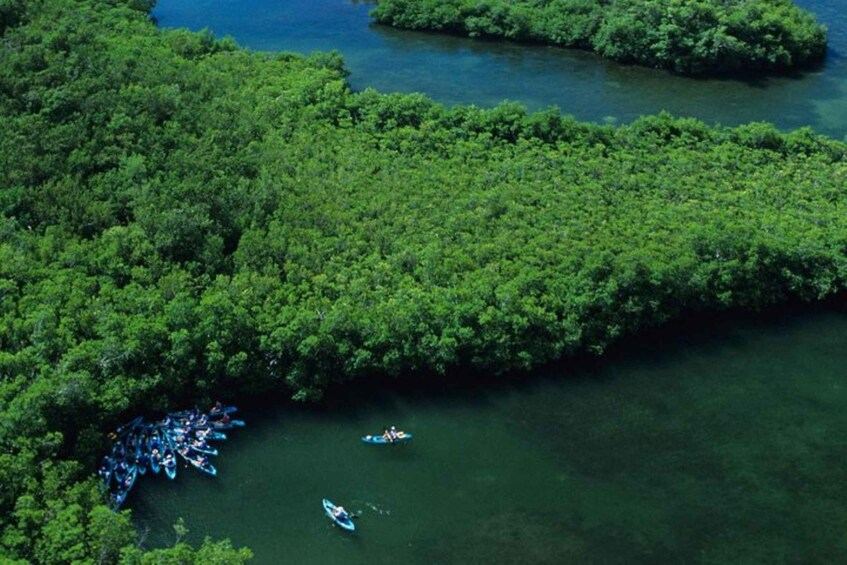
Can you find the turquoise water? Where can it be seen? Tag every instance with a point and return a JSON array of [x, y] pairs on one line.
[[723, 444], [459, 70]]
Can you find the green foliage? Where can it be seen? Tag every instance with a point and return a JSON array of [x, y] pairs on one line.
[[686, 36], [181, 219], [211, 552], [214, 553]]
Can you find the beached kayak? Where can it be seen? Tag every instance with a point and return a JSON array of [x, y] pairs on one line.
[[345, 522]]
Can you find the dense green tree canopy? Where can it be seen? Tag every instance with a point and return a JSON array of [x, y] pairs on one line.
[[687, 36], [181, 219]]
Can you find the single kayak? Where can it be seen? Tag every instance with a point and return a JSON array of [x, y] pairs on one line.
[[131, 425], [142, 463], [211, 434], [118, 498], [206, 467], [154, 447], [225, 410], [169, 460], [106, 469], [125, 476], [221, 425], [402, 437], [204, 449], [345, 522]]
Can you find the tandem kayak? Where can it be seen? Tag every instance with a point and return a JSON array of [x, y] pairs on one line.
[[345, 522], [402, 437]]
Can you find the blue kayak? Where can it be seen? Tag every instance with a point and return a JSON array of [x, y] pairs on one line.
[[142, 463], [216, 435], [169, 463], [106, 469], [170, 467], [203, 432], [219, 425], [205, 449], [345, 521], [118, 498], [132, 444], [129, 426], [206, 467], [225, 410], [154, 443], [156, 462], [402, 437], [125, 477]]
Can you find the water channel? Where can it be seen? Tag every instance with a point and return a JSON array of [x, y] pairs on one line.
[[718, 440], [460, 70]]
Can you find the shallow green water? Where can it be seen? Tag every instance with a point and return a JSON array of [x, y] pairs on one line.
[[721, 445], [460, 70]]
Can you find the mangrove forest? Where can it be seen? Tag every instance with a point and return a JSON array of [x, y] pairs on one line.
[[183, 220], [685, 36]]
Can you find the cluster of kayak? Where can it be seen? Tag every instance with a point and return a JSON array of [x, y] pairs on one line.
[[338, 514], [140, 446]]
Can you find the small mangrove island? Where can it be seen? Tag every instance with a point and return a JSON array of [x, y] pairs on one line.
[[685, 36], [182, 220]]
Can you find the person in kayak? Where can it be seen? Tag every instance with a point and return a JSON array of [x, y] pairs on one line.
[[392, 434], [340, 513]]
